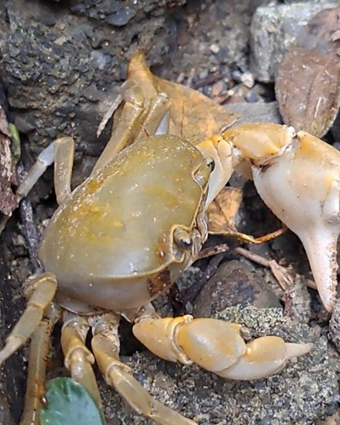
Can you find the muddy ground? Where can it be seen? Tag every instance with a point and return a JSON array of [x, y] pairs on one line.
[[62, 63]]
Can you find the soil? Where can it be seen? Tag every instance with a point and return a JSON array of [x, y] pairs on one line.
[[62, 63]]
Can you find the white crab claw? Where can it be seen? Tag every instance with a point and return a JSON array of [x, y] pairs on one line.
[[302, 188], [298, 177]]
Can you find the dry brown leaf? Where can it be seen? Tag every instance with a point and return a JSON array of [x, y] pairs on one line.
[[222, 213], [193, 116], [8, 201], [308, 79]]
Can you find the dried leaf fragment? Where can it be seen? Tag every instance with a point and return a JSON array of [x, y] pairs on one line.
[[223, 210], [308, 78], [8, 201], [222, 214], [193, 116]]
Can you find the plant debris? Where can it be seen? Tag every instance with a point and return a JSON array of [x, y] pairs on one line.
[[193, 116], [8, 201]]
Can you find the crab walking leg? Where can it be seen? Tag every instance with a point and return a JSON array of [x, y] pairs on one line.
[[135, 122], [157, 118], [61, 152], [216, 346], [78, 358], [105, 346], [39, 349], [123, 130], [40, 290]]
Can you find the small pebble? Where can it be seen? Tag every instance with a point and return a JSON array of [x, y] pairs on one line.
[[247, 80], [252, 97], [214, 48]]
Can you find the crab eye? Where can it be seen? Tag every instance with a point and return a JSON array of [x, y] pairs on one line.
[[183, 238], [211, 164]]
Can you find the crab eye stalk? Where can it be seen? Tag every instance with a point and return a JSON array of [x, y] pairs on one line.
[[182, 238], [203, 172], [220, 151]]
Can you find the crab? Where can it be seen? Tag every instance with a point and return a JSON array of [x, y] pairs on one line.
[[123, 237]]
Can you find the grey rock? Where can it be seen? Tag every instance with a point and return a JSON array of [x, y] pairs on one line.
[[253, 97], [335, 130], [5, 415], [121, 17], [256, 112], [48, 67], [235, 282], [273, 29], [309, 1], [334, 325]]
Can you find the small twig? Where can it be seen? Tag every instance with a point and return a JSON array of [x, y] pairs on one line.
[[212, 78], [213, 250], [253, 257], [28, 227], [280, 273], [29, 231], [195, 289], [288, 302]]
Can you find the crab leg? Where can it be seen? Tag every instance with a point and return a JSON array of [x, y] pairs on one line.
[[216, 346], [122, 132], [105, 346], [136, 121], [39, 349], [78, 358], [40, 292], [157, 118], [61, 152]]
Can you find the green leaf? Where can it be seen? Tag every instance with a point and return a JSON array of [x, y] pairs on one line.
[[69, 403]]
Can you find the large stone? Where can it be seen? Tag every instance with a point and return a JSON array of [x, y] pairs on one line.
[[273, 29], [256, 112]]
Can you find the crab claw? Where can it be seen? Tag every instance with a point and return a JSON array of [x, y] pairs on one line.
[[321, 249], [300, 183], [216, 346]]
